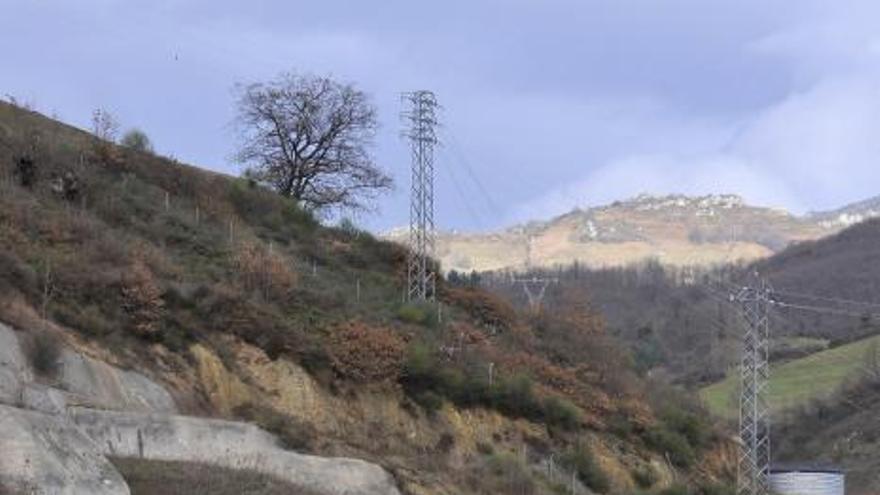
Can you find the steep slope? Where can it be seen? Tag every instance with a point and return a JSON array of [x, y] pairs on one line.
[[839, 272], [679, 320], [244, 307], [798, 382]]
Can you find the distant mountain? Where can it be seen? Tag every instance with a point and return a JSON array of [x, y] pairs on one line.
[[673, 229], [848, 215]]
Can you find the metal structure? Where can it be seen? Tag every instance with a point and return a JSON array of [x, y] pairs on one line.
[[535, 288], [754, 425], [421, 120], [806, 480]]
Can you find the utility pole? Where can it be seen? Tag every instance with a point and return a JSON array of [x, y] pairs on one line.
[[421, 120], [754, 425], [535, 288]]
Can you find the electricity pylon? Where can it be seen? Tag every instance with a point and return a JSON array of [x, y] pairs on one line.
[[535, 297], [754, 425], [421, 121]]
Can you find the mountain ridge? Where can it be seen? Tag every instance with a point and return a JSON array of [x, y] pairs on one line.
[[675, 229]]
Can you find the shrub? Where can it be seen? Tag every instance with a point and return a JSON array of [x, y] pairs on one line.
[[583, 462], [142, 301], [560, 412], [485, 308], [507, 473], [672, 443], [717, 489], [292, 433], [515, 397], [691, 426], [675, 490], [43, 352], [427, 381], [645, 476], [366, 354], [417, 314], [430, 401], [263, 270], [26, 171], [137, 140]]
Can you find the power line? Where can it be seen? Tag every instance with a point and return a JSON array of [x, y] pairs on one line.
[[474, 214], [826, 298], [824, 310], [463, 160]]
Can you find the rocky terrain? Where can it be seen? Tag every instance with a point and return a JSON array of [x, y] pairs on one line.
[[674, 230]]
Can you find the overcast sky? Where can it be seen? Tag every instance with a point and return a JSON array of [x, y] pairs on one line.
[[548, 104]]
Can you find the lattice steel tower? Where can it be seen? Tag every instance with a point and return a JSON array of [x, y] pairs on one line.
[[421, 120], [754, 424]]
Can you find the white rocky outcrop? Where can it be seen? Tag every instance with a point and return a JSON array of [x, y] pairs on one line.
[[56, 437], [229, 444]]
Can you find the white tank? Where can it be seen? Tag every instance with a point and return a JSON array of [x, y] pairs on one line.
[[806, 481]]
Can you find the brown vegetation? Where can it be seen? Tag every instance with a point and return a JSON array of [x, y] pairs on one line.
[[142, 300], [179, 478], [366, 354]]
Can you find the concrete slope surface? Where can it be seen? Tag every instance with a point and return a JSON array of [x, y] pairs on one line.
[[47, 454], [228, 444], [52, 445]]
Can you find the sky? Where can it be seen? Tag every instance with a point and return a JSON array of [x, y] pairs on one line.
[[547, 105]]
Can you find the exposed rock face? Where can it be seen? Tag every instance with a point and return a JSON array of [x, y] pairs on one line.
[[229, 444], [91, 383], [81, 381], [46, 454], [51, 446], [14, 370]]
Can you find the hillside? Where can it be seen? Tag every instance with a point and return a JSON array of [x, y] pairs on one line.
[[679, 321], [798, 382], [843, 430], [674, 230], [225, 301]]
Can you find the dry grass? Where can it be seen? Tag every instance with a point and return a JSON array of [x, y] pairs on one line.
[[179, 478]]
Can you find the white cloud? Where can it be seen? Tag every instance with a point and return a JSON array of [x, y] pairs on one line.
[[817, 147]]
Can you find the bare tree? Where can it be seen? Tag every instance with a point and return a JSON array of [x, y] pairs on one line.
[[104, 125], [309, 138]]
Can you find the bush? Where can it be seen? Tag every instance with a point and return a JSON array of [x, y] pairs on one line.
[[142, 301], [427, 381], [691, 426], [560, 412], [645, 476], [43, 352], [292, 433], [507, 473], [366, 354], [418, 314], [137, 140], [583, 462], [672, 443], [675, 490]]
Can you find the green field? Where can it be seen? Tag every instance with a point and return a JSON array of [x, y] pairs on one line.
[[796, 382]]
